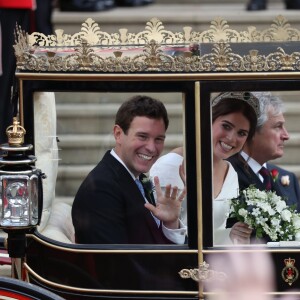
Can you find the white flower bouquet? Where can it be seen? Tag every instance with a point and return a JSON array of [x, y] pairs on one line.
[[266, 213]]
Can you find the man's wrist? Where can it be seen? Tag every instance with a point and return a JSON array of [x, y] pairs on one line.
[[172, 225]]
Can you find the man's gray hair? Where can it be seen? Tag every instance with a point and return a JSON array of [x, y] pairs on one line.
[[266, 100]]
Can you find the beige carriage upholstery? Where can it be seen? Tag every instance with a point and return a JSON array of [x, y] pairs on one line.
[[59, 226], [56, 220]]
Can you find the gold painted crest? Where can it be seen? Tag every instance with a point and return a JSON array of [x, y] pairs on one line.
[[290, 273]]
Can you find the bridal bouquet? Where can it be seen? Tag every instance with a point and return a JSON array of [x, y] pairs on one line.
[[266, 213]]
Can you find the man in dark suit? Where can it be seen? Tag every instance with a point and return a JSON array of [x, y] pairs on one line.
[[285, 184], [267, 144], [109, 207]]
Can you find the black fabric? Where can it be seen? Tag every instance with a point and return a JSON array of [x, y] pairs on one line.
[[257, 5], [85, 5], [43, 15], [292, 4], [109, 209], [39, 20], [290, 193], [246, 177], [8, 104]]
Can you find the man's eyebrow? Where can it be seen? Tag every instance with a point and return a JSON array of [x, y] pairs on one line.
[[279, 123], [147, 133]]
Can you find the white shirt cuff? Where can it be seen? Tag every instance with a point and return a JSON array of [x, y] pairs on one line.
[[177, 236]]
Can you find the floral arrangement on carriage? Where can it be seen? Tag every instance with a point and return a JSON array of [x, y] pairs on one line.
[[267, 214]]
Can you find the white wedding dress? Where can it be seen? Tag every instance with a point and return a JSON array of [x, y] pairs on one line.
[[230, 189]]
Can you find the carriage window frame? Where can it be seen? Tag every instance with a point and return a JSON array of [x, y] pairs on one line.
[[201, 86], [209, 89], [151, 84]]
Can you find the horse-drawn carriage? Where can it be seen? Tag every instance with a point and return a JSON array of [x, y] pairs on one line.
[[188, 66]]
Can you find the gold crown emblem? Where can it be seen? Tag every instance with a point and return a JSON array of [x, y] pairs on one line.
[[15, 133], [289, 262]]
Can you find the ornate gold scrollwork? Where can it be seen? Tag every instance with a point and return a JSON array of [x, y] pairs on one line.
[[202, 274], [156, 49]]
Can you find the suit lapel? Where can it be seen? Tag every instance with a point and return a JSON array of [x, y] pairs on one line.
[[278, 188], [246, 175], [125, 180], [135, 200], [254, 179]]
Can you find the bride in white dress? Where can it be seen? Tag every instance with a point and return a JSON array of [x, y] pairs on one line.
[[234, 118]]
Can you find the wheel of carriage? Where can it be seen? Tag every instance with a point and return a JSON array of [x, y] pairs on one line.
[[15, 289]]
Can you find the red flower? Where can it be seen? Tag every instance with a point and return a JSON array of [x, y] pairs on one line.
[[274, 174]]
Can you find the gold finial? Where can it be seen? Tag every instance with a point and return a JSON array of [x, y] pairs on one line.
[[15, 133]]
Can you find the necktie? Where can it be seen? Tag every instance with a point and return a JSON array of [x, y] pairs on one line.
[[267, 178], [140, 186]]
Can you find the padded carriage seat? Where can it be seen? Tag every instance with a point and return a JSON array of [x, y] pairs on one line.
[[60, 226], [56, 220]]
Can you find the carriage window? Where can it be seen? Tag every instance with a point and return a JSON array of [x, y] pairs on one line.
[[74, 130], [275, 143]]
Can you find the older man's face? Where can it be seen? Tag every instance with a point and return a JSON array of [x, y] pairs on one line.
[[268, 143]]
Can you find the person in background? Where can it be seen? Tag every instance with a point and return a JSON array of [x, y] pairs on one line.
[[31, 16], [43, 16], [254, 5], [114, 204], [9, 17], [99, 5], [267, 144]]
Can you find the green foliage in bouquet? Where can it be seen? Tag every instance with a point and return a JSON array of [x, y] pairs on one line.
[[266, 213]]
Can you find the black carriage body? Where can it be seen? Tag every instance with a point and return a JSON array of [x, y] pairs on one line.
[[76, 271]]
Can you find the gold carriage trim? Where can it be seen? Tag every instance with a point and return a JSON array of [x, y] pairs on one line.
[[203, 274], [156, 49]]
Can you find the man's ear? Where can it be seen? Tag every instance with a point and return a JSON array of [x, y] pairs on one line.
[[117, 132]]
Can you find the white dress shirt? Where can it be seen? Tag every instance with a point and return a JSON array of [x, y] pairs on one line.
[[253, 164]]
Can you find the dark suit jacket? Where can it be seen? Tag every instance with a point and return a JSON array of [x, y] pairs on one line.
[[246, 177], [109, 209]]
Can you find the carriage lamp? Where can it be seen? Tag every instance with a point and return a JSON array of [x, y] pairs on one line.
[[21, 194]]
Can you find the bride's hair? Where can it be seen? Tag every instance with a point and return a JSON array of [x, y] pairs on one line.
[[232, 102]]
